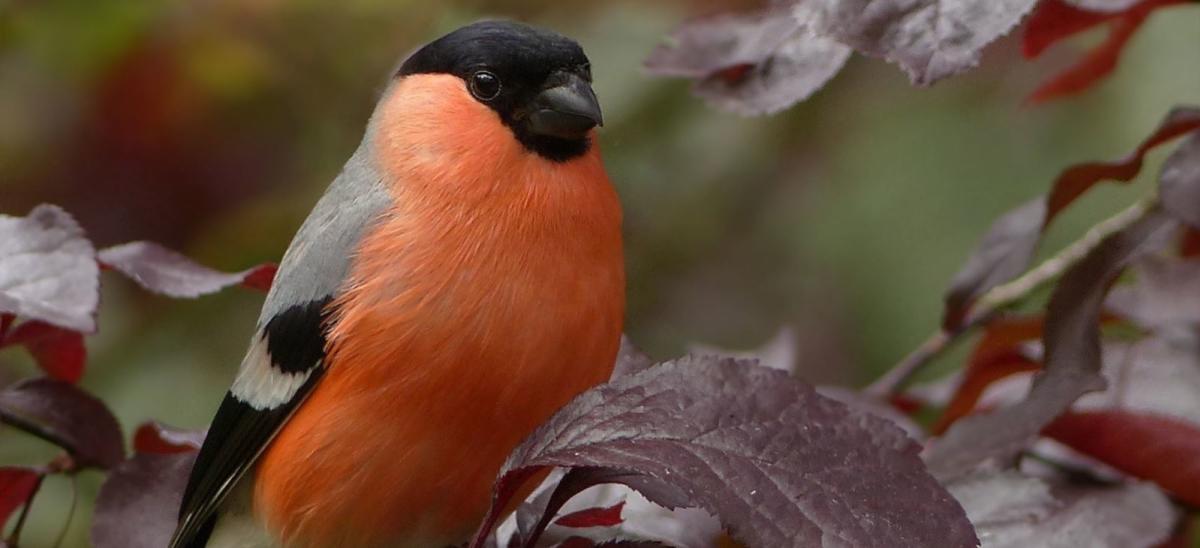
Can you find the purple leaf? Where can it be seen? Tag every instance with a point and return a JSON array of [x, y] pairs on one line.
[[1003, 254], [48, 269], [1179, 182], [139, 503], [1166, 292], [871, 405], [751, 64], [63, 414], [1072, 360], [929, 39], [169, 273], [779, 464], [1011, 510]]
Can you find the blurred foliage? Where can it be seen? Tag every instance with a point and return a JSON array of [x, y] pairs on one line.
[[213, 125]]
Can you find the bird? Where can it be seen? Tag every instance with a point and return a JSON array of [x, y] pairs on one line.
[[460, 280]]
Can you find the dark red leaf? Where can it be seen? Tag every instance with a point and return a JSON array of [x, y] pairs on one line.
[[48, 269], [751, 445], [978, 377], [16, 486], [138, 504], [593, 517], [1072, 361], [1054, 20], [1012, 510], [63, 414], [59, 352], [929, 39], [755, 63], [1190, 245], [996, 356], [1156, 448], [1093, 66], [1165, 292], [156, 437], [261, 277], [169, 273], [1077, 179], [6, 321], [1179, 182], [1003, 254], [734, 75]]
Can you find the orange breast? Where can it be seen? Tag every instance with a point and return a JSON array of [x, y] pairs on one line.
[[490, 294]]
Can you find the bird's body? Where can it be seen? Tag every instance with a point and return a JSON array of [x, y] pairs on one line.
[[460, 281]]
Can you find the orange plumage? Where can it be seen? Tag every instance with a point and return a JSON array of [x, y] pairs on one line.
[[491, 292]]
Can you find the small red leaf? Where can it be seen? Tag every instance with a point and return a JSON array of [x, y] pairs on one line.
[[1093, 67], [169, 273], [156, 437], [1055, 20], [735, 74], [261, 277], [995, 357], [1190, 246], [1079, 178], [593, 517], [1153, 447], [16, 486], [978, 377], [59, 352], [6, 321]]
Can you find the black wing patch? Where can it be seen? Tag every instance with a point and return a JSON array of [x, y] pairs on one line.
[[240, 432]]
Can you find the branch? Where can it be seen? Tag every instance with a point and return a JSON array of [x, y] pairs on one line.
[[1003, 296]]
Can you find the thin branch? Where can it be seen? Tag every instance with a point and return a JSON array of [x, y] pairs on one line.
[[1003, 296], [62, 533]]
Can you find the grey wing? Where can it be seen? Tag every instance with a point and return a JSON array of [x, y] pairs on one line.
[[285, 358]]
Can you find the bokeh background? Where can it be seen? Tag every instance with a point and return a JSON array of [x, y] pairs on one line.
[[213, 125]]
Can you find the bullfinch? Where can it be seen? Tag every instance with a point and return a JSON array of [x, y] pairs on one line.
[[458, 282]]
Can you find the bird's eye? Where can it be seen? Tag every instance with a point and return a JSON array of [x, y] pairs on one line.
[[485, 86]]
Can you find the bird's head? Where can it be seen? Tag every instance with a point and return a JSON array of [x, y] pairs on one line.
[[537, 82]]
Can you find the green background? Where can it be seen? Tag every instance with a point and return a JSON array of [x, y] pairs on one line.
[[213, 127]]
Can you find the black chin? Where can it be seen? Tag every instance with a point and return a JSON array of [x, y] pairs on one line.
[[553, 148]]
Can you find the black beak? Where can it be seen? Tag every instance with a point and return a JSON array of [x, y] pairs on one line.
[[566, 111]]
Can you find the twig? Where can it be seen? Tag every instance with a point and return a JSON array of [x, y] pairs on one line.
[[62, 533], [1005, 295]]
